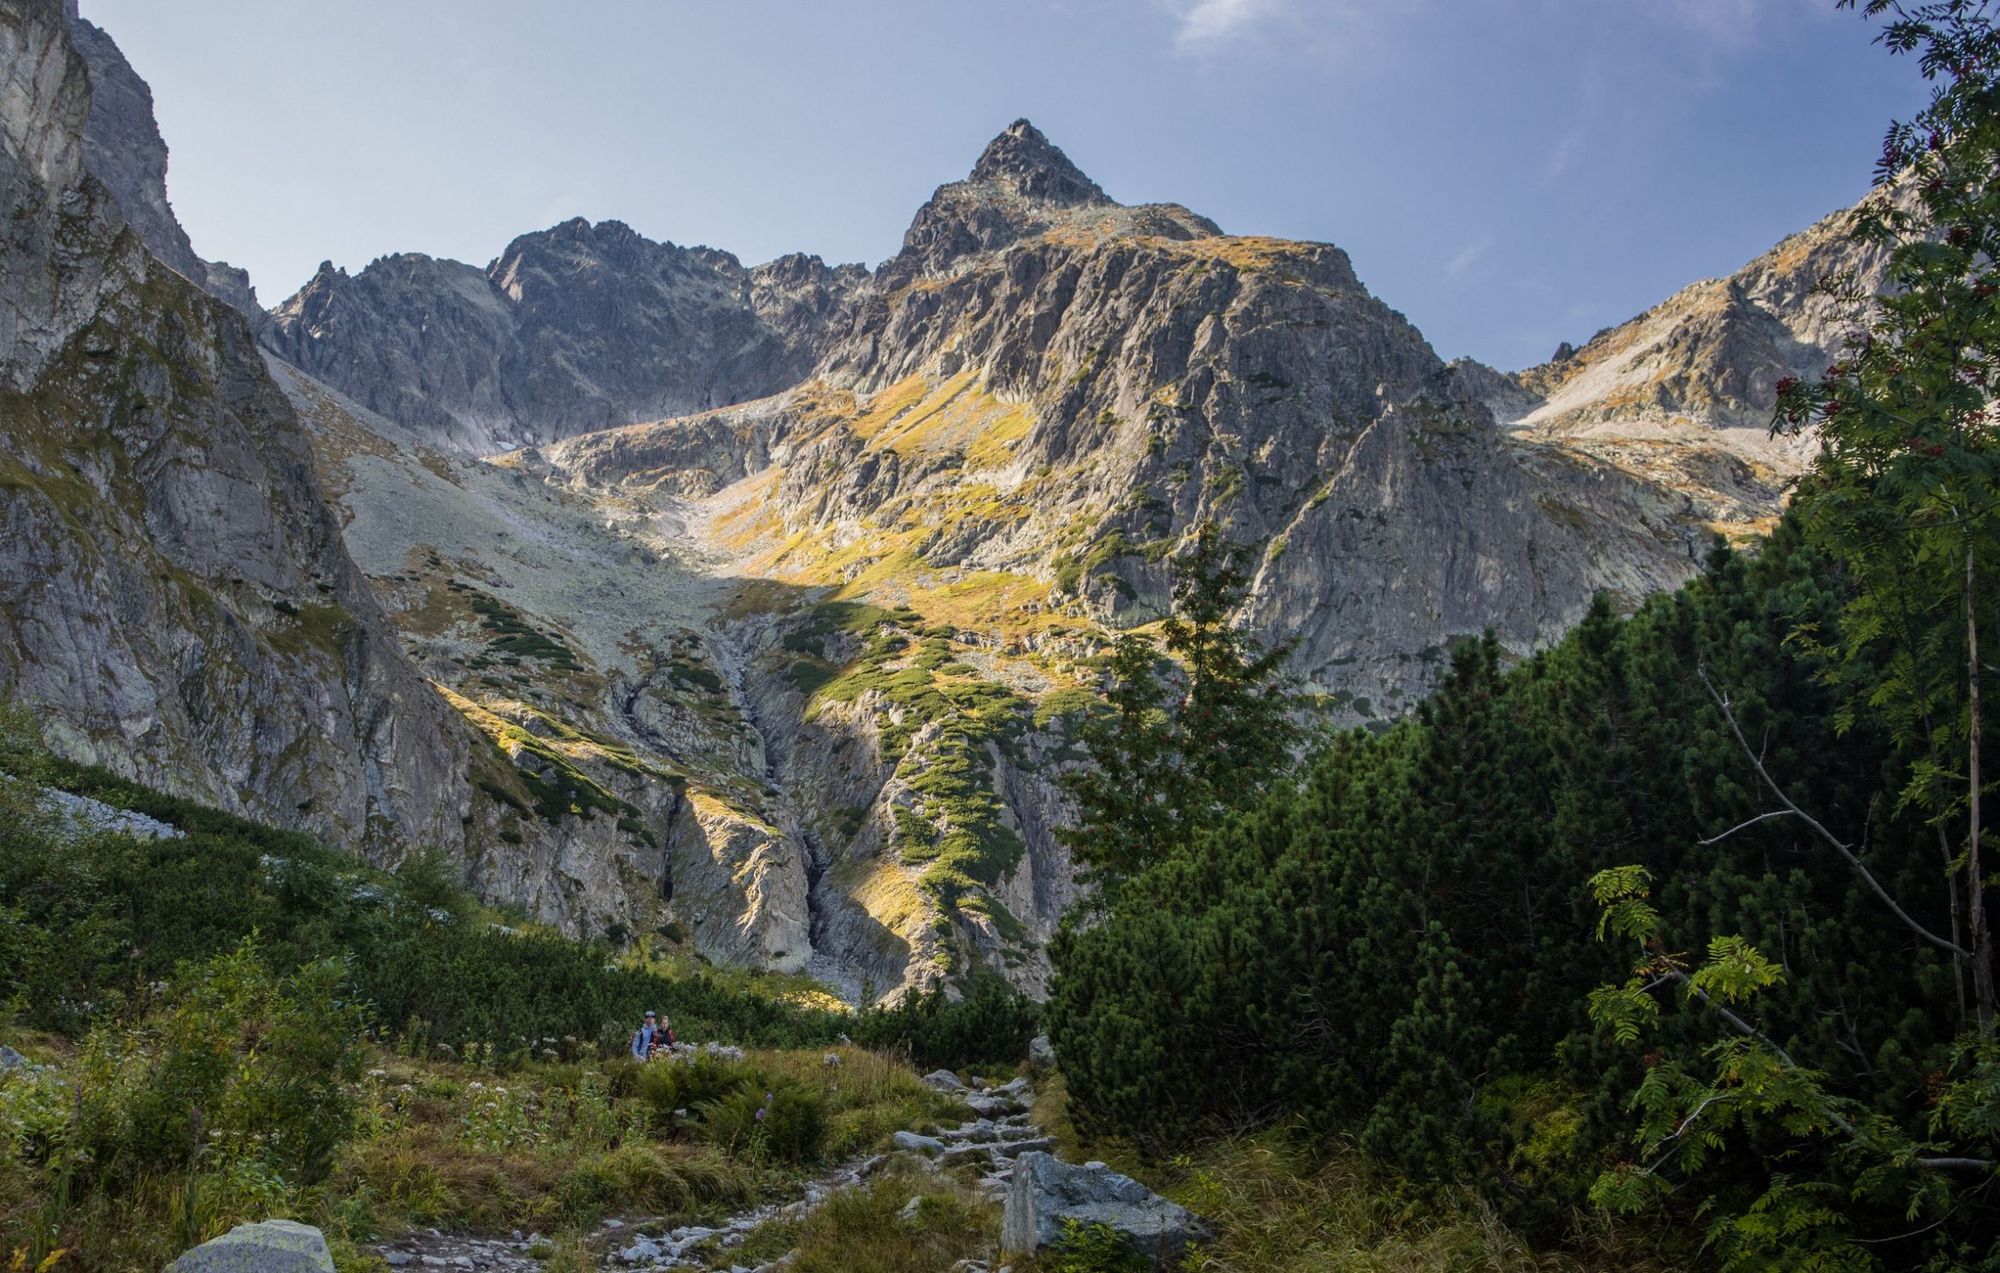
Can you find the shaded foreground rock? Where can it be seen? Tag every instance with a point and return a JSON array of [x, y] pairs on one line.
[[272, 1246], [1042, 1052], [1045, 1193]]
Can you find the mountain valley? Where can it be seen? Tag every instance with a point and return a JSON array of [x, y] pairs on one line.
[[751, 611]]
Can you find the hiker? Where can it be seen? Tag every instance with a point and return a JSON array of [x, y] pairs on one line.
[[643, 1040], [663, 1038]]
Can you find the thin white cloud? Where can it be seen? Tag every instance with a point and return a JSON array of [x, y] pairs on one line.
[[1734, 25], [1563, 154], [1205, 24], [1727, 22], [1206, 27], [1466, 257]]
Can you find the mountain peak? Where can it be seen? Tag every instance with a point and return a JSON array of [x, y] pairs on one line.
[[1032, 166]]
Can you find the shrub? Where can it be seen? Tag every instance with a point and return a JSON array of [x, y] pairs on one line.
[[863, 1230], [240, 1065], [990, 1025], [688, 1079], [785, 1123], [1093, 1248]]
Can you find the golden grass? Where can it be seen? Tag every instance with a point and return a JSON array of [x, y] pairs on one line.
[[887, 892], [1249, 252], [862, 1230], [996, 444], [492, 718], [711, 809], [888, 406], [754, 517], [868, 1096]]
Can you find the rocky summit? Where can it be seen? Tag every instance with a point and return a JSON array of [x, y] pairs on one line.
[[754, 608]]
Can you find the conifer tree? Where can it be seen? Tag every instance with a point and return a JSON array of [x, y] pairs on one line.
[[1188, 737], [1427, 1122]]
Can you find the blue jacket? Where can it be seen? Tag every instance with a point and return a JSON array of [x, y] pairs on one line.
[[642, 1042]]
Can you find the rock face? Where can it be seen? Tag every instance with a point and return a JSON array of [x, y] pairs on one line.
[[1058, 387], [1712, 354], [178, 604], [575, 328], [1047, 1193], [631, 779], [124, 150], [1682, 395], [273, 1246]]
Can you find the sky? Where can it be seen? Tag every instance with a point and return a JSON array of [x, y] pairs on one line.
[[1509, 174]]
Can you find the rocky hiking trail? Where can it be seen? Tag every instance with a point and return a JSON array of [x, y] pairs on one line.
[[994, 1140]]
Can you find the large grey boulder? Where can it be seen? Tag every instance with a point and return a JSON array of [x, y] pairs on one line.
[[271, 1246], [89, 816], [1046, 1193], [993, 1106], [1041, 1052], [944, 1081]]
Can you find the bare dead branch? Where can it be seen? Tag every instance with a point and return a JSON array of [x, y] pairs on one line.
[[1751, 822], [1839, 845]]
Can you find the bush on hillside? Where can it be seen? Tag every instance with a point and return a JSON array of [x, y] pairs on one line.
[[989, 1025]]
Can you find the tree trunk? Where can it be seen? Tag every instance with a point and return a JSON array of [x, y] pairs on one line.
[[1975, 880], [1957, 921]]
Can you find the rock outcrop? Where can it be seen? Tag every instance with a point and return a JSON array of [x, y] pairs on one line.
[[271, 1246], [1047, 1194], [178, 605], [124, 150], [1023, 185], [1682, 395], [575, 328], [1711, 355]]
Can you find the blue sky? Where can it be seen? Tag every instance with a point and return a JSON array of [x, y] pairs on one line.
[[1508, 173]]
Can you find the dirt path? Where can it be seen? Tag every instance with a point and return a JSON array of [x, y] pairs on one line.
[[998, 1133]]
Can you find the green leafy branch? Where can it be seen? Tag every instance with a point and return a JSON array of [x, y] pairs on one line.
[[1752, 1076]]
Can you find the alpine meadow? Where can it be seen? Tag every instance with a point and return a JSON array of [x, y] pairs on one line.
[[1084, 747]]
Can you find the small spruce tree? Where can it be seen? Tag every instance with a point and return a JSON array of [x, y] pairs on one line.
[[1199, 725]]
